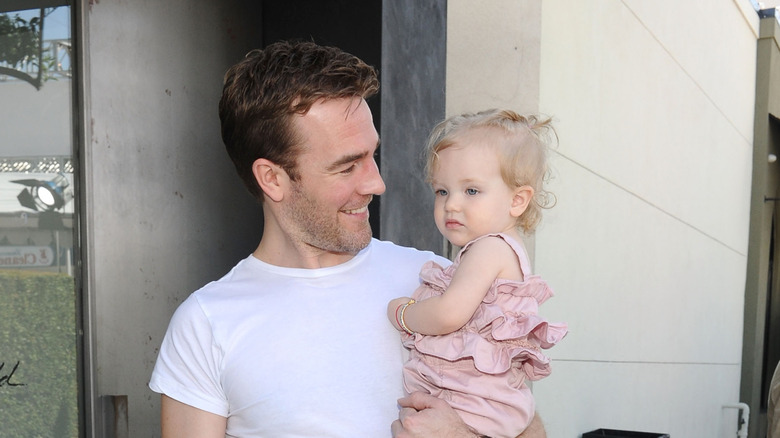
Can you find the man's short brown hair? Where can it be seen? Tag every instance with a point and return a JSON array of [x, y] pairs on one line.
[[263, 91]]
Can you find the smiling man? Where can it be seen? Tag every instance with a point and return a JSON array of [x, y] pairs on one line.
[[293, 340]]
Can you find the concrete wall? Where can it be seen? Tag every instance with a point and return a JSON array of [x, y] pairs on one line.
[[647, 244], [413, 75], [166, 212]]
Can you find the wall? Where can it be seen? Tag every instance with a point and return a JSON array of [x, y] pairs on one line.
[[413, 100], [493, 55], [647, 244], [166, 211]]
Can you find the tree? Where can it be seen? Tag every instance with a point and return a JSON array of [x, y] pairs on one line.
[[21, 48]]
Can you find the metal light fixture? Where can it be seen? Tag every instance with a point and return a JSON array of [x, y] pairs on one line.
[[45, 195]]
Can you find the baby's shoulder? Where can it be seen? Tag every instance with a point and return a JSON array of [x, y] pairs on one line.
[[493, 246]]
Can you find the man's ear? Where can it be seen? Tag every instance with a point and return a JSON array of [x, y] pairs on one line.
[[523, 196], [271, 178]]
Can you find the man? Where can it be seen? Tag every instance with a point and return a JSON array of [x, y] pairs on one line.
[[293, 341]]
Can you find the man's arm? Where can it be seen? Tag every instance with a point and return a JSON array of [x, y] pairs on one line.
[[425, 416], [180, 420]]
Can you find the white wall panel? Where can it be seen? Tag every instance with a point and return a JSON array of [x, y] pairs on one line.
[[683, 400], [492, 55], [647, 246], [712, 45], [634, 283], [628, 111]]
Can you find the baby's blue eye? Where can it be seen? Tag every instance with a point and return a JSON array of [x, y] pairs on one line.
[[472, 191], [440, 192]]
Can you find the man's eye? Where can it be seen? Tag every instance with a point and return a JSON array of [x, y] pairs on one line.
[[349, 169]]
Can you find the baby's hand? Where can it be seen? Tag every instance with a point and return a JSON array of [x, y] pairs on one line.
[[392, 309]]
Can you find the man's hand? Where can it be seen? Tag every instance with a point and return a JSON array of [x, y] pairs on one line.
[[425, 416]]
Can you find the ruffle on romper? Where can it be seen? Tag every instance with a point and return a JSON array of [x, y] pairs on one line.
[[506, 328]]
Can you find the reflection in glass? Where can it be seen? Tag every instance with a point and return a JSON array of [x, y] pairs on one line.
[[38, 336]]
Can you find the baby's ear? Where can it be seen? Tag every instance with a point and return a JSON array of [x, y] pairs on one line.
[[523, 196], [271, 178]]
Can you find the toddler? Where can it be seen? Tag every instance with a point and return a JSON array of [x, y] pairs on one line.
[[473, 328]]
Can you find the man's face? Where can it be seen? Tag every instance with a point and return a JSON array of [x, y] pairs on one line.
[[327, 208]]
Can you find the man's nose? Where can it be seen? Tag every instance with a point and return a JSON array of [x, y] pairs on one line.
[[373, 184]]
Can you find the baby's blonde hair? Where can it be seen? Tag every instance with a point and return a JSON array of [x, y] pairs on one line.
[[522, 143]]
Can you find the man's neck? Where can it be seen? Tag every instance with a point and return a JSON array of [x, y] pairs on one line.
[[289, 255]]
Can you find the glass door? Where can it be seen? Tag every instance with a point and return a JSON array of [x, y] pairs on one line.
[[39, 384]]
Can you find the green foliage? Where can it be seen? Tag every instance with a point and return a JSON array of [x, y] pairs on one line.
[[19, 40], [38, 330], [21, 49]]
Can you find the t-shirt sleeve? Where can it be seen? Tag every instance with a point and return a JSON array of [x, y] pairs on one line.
[[189, 363]]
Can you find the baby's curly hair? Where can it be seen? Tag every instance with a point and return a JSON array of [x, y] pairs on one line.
[[522, 142]]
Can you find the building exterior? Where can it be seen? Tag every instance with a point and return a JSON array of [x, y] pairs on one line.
[[660, 247], [648, 245]]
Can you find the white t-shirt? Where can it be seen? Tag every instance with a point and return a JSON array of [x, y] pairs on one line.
[[285, 352]]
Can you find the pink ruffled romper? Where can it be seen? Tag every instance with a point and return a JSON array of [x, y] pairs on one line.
[[481, 368]]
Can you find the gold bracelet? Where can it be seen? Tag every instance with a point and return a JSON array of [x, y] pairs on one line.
[[401, 318]]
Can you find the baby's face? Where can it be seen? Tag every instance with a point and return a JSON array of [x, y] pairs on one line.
[[471, 197]]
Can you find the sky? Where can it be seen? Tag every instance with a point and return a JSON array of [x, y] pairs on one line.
[[57, 24]]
